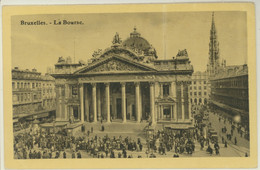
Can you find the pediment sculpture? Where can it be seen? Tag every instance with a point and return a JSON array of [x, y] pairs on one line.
[[115, 65]]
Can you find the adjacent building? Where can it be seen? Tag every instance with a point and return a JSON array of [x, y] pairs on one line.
[[33, 94], [228, 85], [229, 92], [199, 88], [125, 82]]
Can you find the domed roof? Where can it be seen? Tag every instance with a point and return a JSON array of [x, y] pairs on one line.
[[135, 41]]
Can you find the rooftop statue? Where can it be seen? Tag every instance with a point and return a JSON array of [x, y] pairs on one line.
[[117, 39], [97, 53], [182, 53], [61, 60]]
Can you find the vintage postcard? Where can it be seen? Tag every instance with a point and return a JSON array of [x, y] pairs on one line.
[[130, 86]]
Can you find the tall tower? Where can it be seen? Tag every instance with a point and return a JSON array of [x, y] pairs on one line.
[[213, 62]]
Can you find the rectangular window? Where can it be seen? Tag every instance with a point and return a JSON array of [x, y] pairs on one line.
[[205, 82], [205, 93], [191, 93], [195, 88], [199, 87], [205, 87], [195, 93], [199, 93], [33, 85], [18, 85], [166, 90], [190, 87], [13, 85], [194, 82]]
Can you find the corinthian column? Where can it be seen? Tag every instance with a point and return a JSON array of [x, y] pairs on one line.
[[182, 102], [98, 103], [123, 101], [173, 89], [108, 102], [81, 102], [86, 104], [94, 99], [137, 104], [189, 102], [152, 102]]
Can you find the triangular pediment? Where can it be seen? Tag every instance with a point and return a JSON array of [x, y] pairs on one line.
[[115, 64], [166, 100]]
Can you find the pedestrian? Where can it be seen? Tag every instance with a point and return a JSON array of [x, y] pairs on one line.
[[30, 154], [78, 155], [119, 154], [64, 155], [73, 155], [225, 144], [39, 155]]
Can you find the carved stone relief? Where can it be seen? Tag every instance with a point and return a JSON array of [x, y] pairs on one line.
[[115, 65]]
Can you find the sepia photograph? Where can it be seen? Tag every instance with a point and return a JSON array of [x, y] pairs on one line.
[[130, 85]]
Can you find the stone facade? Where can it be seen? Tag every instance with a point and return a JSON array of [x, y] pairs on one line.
[[125, 82], [229, 92], [33, 93], [200, 88]]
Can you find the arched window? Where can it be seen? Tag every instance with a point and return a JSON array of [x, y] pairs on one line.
[[200, 100], [205, 101], [195, 101]]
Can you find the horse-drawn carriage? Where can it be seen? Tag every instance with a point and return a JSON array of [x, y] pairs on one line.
[[213, 135]]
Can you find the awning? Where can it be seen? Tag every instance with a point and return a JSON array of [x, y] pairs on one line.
[[51, 125], [179, 126], [41, 115], [227, 107], [15, 120]]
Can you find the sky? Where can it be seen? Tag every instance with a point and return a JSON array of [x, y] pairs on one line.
[[40, 46]]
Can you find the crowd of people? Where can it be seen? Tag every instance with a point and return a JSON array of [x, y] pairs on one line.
[[167, 140], [47, 145]]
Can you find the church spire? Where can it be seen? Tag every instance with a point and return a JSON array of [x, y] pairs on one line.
[[213, 49]]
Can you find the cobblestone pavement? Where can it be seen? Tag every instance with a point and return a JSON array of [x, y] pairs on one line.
[[242, 146]]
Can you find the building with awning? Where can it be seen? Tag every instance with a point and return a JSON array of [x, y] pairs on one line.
[[229, 92], [33, 95]]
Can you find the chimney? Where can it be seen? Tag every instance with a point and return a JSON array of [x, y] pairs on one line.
[[16, 68], [34, 70]]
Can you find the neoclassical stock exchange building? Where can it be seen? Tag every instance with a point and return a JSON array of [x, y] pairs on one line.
[[125, 83]]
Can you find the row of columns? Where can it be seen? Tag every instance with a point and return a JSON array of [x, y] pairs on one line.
[[107, 97], [138, 105]]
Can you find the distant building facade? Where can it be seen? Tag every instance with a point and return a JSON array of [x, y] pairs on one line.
[[199, 88], [33, 94], [228, 85], [229, 92], [125, 82]]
